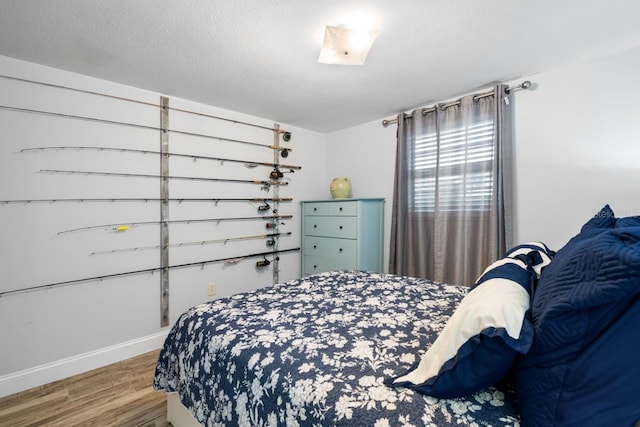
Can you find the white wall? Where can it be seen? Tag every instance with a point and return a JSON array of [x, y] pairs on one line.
[[365, 154], [52, 333], [577, 147]]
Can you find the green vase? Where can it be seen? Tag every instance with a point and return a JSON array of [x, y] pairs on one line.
[[340, 188]]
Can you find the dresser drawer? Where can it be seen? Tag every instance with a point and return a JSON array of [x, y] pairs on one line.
[[316, 209], [331, 226], [341, 249], [318, 264], [343, 208], [346, 208]]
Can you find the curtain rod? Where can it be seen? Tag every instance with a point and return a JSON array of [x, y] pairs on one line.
[[524, 85]]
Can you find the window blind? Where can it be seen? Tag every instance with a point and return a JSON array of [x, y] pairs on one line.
[[454, 170]]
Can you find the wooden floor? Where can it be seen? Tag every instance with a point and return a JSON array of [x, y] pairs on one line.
[[116, 395]]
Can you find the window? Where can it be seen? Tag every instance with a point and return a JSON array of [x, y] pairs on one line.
[[458, 170]]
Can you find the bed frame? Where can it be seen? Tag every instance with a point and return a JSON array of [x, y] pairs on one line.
[[177, 414]]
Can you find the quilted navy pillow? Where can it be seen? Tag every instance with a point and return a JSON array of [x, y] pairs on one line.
[[582, 369], [631, 221], [604, 220], [478, 345]]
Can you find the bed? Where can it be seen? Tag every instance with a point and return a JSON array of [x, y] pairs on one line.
[[315, 351], [541, 339]]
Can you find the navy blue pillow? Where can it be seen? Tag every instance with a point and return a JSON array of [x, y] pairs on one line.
[[631, 221], [604, 220], [478, 345], [583, 369]]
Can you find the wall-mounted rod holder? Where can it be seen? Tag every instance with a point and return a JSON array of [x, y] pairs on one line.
[[277, 175], [146, 200], [164, 212], [191, 156], [233, 260]]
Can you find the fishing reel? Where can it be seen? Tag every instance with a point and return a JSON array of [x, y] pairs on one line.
[[276, 174], [263, 263], [266, 207], [284, 152], [286, 136]]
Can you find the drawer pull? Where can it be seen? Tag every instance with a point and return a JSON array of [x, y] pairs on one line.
[[315, 209], [315, 226], [340, 209], [340, 250], [315, 246], [315, 266], [340, 227]]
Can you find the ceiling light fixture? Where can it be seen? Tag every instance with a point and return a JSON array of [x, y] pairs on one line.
[[346, 46]]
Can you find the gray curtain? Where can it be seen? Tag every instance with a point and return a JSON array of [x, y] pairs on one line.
[[451, 214]]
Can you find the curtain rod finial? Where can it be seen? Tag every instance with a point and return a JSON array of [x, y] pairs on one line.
[[524, 85]]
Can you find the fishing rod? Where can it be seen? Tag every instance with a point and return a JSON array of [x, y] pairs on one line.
[[191, 178], [128, 225], [150, 199], [139, 126], [192, 156], [270, 242], [233, 260], [286, 136]]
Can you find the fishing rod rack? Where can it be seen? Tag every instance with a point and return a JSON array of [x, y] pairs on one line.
[[248, 163], [228, 261], [215, 200], [271, 183]]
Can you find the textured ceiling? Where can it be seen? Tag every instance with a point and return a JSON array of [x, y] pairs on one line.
[[259, 57]]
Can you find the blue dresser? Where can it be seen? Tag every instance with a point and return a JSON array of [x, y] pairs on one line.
[[342, 234]]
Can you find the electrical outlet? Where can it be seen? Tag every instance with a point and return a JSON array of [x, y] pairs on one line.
[[211, 289]]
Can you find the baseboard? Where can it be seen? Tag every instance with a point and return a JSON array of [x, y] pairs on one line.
[[43, 374]]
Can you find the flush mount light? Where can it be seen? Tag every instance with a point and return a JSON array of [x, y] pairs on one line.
[[346, 46]]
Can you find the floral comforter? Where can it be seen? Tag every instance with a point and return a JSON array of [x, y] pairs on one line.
[[315, 352]]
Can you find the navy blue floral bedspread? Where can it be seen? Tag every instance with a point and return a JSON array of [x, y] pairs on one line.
[[315, 352]]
